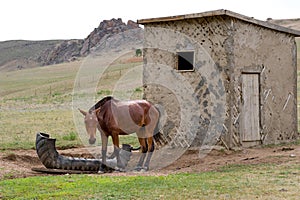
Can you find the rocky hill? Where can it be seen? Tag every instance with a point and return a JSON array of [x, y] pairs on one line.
[[18, 54], [289, 23], [65, 51], [24, 54], [72, 49], [106, 28]]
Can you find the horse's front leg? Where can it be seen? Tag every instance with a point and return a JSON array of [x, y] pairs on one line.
[[104, 139], [115, 139]]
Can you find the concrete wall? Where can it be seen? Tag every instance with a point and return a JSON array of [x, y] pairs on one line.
[[224, 48]]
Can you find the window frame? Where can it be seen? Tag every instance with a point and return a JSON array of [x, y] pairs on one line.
[[177, 61]]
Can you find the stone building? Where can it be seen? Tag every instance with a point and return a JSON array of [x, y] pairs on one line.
[[222, 78]]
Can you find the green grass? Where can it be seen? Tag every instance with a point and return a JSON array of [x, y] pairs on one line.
[[18, 129], [43, 85], [130, 139], [231, 182], [70, 137], [40, 99]]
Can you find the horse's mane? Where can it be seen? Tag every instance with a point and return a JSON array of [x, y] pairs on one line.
[[100, 103]]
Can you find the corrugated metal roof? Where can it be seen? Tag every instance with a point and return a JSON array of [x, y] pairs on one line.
[[219, 13]]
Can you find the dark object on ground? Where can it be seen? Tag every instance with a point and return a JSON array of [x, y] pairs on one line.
[[56, 163]]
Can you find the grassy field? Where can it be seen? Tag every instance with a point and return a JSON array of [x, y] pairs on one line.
[[24, 126], [263, 181], [40, 99], [35, 100]]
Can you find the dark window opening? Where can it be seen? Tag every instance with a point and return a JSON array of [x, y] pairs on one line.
[[185, 60]]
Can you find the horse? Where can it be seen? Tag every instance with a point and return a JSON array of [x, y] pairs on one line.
[[114, 117]]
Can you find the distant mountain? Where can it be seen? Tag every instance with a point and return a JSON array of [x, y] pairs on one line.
[[106, 28], [16, 55], [289, 23]]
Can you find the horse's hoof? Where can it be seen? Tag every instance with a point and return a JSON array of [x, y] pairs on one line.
[[101, 172], [120, 166], [117, 169], [145, 169], [137, 169]]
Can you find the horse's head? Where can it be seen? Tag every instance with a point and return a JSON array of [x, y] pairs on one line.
[[91, 123]]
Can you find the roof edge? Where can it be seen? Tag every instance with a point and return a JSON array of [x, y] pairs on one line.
[[218, 13]]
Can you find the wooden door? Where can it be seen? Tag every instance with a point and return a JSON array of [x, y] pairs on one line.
[[250, 133]]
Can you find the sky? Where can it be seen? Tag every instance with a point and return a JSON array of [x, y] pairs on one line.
[[75, 19]]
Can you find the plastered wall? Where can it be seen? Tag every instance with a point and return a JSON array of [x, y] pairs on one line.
[[272, 55], [224, 48]]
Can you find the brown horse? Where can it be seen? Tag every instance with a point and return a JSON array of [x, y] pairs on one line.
[[113, 117]]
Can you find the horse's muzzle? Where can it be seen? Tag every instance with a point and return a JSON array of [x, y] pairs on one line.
[[92, 140]]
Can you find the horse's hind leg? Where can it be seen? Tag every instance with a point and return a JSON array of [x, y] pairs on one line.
[[143, 144], [150, 152], [149, 135]]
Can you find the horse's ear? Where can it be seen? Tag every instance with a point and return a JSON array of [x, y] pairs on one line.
[[82, 112], [96, 111]]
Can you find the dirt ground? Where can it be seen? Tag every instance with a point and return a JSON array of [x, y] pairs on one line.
[[18, 163]]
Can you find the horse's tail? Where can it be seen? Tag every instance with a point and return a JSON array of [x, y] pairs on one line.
[[160, 138], [135, 148]]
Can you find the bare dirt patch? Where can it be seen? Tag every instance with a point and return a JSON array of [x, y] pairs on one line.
[[18, 163]]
